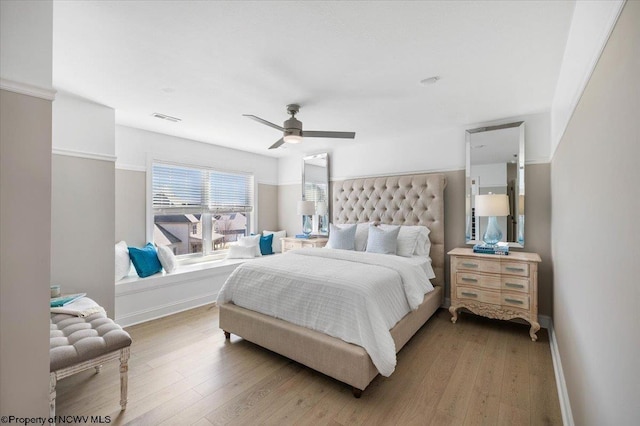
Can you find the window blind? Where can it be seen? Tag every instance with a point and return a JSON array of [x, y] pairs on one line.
[[181, 189]]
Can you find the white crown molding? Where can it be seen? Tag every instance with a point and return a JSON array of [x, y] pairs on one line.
[[82, 154], [48, 94], [563, 393], [131, 167]]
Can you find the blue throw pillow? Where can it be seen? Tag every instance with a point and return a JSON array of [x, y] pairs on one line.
[[145, 260], [266, 244]]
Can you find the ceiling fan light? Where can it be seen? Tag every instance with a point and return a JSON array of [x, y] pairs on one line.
[[292, 139]]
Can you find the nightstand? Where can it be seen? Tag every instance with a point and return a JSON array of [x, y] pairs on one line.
[[291, 243], [495, 286]]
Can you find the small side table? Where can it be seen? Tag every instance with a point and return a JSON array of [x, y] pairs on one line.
[[291, 243]]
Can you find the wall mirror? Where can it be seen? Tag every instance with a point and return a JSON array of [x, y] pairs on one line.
[[495, 164], [315, 187]]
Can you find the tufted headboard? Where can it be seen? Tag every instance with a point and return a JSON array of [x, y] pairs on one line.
[[396, 200]]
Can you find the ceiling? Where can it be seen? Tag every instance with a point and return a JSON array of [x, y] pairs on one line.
[[352, 66]]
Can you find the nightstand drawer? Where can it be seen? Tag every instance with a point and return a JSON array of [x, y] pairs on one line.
[[515, 268], [515, 284], [476, 265], [485, 296], [515, 300], [289, 245], [478, 280]]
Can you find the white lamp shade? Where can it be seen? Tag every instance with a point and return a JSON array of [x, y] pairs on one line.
[[306, 208], [492, 205], [321, 208]]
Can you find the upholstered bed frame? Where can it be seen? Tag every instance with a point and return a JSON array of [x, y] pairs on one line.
[[398, 200]]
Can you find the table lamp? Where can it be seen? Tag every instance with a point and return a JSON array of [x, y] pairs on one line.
[[492, 205], [306, 209], [321, 211]]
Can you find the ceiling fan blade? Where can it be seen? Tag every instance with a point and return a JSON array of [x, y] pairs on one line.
[[321, 134], [277, 144], [260, 120]]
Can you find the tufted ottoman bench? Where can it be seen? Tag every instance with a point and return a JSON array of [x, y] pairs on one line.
[[77, 344]]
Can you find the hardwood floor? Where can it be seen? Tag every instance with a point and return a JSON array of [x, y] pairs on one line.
[[182, 371]]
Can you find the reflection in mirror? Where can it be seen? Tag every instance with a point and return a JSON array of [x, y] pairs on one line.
[[315, 187], [495, 164]]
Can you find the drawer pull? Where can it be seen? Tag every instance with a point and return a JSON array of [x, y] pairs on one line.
[[512, 268], [464, 293], [469, 265], [517, 302], [514, 285], [472, 280]]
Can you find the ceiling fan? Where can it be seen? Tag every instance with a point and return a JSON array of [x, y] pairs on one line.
[[292, 129]]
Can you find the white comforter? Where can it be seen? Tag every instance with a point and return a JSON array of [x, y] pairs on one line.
[[355, 296]]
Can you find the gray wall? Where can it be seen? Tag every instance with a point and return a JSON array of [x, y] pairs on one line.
[[25, 250], [83, 218], [595, 199], [130, 207], [537, 228]]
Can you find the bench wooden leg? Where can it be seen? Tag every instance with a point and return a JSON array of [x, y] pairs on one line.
[[227, 335], [124, 376], [53, 380]]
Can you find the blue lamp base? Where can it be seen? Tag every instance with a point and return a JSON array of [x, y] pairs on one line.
[[306, 226], [493, 234]]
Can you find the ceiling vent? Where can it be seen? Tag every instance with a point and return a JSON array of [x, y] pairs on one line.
[[166, 117]]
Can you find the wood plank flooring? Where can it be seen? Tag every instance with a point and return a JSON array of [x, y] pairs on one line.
[[182, 371]]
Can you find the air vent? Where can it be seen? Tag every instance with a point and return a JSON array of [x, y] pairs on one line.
[[166, 117]]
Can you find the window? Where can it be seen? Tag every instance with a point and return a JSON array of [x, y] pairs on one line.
[[199, 210]]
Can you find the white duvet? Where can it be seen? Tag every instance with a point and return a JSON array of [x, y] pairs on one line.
[[355, 296]]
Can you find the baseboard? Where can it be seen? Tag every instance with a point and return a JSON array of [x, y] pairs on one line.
[[563, 394], [156, 312]]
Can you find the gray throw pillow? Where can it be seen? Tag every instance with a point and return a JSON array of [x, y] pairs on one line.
[[383, 241], [342, 238]]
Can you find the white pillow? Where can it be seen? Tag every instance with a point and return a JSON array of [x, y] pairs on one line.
[[241, 252], [123, 262], [167, 258], [342, 238], [384, 241], [251, 241], [407, 239], [362, 233], [276, 245], [423, 248]]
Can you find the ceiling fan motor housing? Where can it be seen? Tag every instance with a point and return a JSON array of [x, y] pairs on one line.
[[292, 126]]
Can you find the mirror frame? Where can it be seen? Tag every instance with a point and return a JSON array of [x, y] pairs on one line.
[[519, 204], [325, 156]]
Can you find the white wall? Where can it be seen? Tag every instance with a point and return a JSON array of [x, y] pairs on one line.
[[26, 37], [25, 207], [83, 127], [133, 146], [595, 228], [442, 149]]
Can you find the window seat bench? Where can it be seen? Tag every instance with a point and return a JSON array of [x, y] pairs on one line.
[[192, 285]]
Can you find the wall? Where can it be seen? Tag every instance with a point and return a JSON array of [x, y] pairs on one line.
[[594, 175], [25, 206], [134, 147], [591, 26], [83, 199], [451, 151]]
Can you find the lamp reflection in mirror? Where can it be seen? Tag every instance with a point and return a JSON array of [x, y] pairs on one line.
[[321, 211], [306, 209], [492, 205]]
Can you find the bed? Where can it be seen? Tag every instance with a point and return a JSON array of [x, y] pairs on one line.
[[397, 200]]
